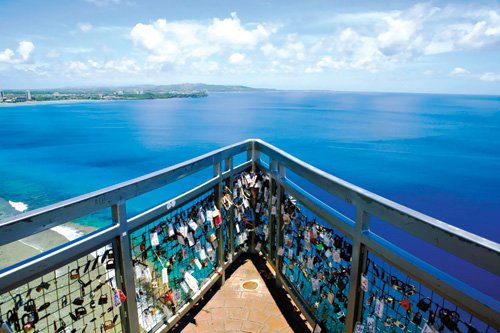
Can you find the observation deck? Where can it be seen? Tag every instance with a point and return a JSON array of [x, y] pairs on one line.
[[156, 271]]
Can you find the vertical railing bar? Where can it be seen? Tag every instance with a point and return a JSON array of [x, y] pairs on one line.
[[272, 219], [125, 270], [220, 236], [280, 192], [358, 265], [228, 165], [253, 155]]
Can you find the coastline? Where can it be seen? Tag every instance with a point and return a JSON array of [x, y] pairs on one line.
[[28, 247], [67, 101]]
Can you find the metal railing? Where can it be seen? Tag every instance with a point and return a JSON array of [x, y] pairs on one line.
[[364, 243]]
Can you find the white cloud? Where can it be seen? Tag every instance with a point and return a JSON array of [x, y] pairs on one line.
[[490, 77], [21, 55], [484, 32], [237, 58], [93, 67], [230, 31], [178, 43], [458, 71], [85, 27]]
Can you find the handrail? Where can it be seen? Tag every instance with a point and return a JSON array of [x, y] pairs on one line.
[[472, 248], [486, 253]]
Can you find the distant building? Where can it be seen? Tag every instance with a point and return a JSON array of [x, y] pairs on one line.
[[2, 97], [28, 95], [20, 99]]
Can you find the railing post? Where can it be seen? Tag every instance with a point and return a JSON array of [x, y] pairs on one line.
[[280, 192], [228, 166], [273, 165], [125, 270], [220, 235], [253, 155], [358, 266]]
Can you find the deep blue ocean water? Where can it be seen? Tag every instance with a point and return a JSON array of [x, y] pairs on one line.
[[438, 154]]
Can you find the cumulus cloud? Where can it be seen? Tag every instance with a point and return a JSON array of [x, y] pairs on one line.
[[85, 27], [237, 58], [490, 77], [179, 42], [21, 55], [458, 71], [95, 67]]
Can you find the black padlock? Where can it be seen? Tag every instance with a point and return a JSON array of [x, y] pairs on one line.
[[424, 304], [417, 319]]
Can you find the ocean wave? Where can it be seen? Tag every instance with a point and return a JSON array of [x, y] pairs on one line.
[[67, 232], [19, 206]]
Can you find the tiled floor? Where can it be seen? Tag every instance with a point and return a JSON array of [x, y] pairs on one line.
[[235, 309]]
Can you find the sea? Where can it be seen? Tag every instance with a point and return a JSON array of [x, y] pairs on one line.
[[438, 154]]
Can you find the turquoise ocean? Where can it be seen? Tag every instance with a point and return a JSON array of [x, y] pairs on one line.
[[438, 154]]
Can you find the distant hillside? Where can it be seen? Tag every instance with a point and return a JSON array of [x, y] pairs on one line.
[[187, 87]]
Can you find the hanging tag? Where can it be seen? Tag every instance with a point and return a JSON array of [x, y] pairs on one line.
[[273, 210], [336, 256], [203, 254], [315, 284], [164, 276], [258, 184], [177, 295], [240, 239], [154, 239], [237, 226], [246, 204], [317, 329], [118, 297], [364, 283], [257, 247], [215, 245], [379, 308], [290, 254], [283, 210], [370, 325], [307, 237], [281, 251], [240, 184], [192, 224], [273, 200], [310, 263], [191, 282], [171, 231], [330, 298], [190, 239], [308, 245], [359, 328], [201, 217], [209, 248], [183, 230], [184, 287], [235, 193], [328, 253], [197, 247], [147, 274], [283, 269], [209, 216], [138, 272], [197, 263], [257, 207], [181, 240], [216, 217]]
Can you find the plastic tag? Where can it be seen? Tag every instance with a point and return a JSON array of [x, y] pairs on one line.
[[181, 240], [164, 276], [330, 298], [364, 283], [257, 207], [379, 308], [177, 295], [203, 254], [237, 226], [273, 200], [183, 230], [245, 203], [209, 216], [257, 247], [310, 263], [315, 284], [290, 254], [171, 231], [235, 193], [154, 239], [328, 253], [370, 325], [147, 274], [359, 328], [283, 270], [138, 272], [197, 263], [201, 217], [317, 329], [192, 224], [281, 251], [336, 256], [190, 239], [184, 287], [273, 210], [191, 282]]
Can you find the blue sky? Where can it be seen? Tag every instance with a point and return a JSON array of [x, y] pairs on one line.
[[436, 46]]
